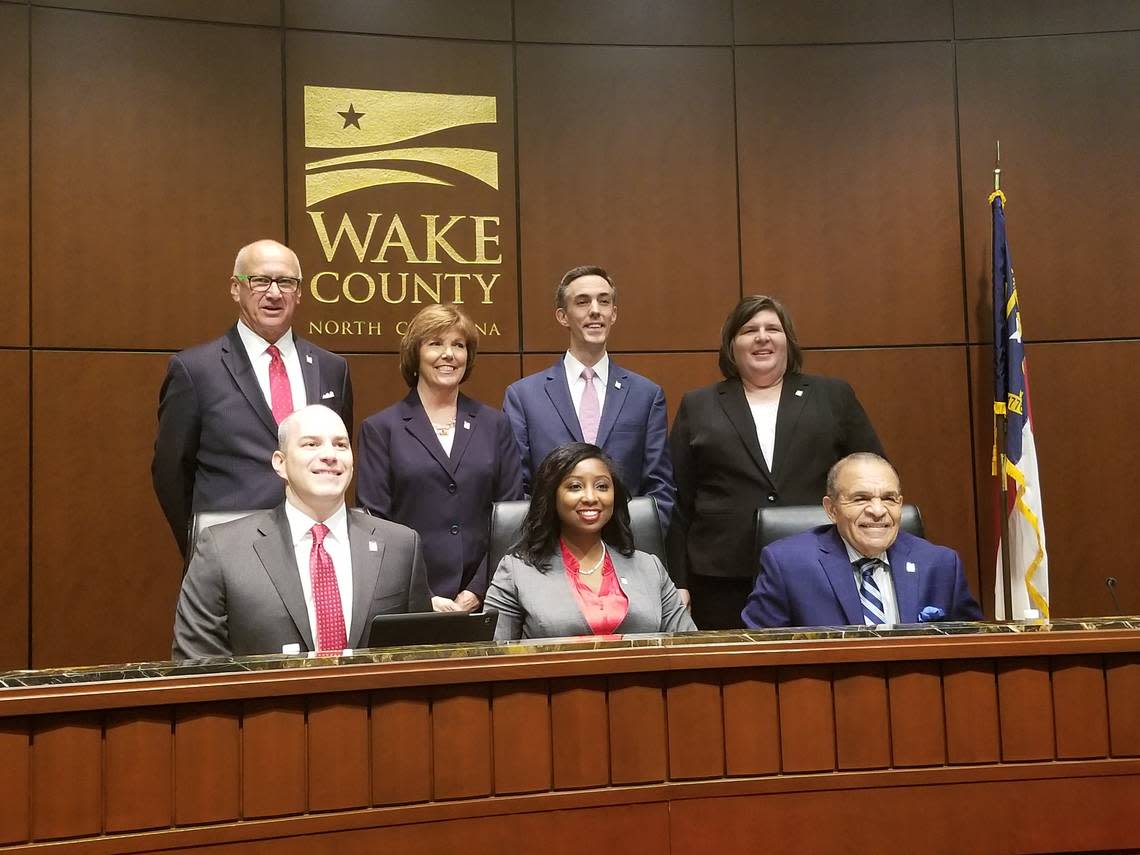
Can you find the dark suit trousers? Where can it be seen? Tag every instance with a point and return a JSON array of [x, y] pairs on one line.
[[718, 600]]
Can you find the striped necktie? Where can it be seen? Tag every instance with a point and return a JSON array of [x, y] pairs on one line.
[[869, 594]]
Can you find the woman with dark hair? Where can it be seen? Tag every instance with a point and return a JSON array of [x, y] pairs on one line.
[[574, 570], [436, 460], [766, 435]]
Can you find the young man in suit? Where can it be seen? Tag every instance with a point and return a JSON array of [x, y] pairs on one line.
[[861, 569], [308, 575], [586, 397], [221, 402]]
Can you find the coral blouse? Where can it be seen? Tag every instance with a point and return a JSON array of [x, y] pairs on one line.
[[605, 609]]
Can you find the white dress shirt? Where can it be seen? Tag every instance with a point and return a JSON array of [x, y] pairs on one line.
[[336, 545], [882, 577], [257, 349], [578, 385]]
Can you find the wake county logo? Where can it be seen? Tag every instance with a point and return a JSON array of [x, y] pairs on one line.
[[393, 145]]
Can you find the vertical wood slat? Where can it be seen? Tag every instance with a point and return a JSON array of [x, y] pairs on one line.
[[461, 741], [751, 723], [15, 780], [918, 725], [67, 776], [1025, 707], [139, 769], [637, 729], [696, 726], [862, 732], [969, 693], [401, 747], [1122, 678], [273, 757], [807, 719], [1079, 707], [207, 764], [579, 731], [337, 736], [520, 733]]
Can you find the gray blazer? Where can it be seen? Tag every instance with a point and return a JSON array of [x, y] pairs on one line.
[[536, 604], [242, 592]]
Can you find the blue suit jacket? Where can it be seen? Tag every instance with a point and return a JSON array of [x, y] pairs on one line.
[[807, 580], [403, 475], [632, 431]]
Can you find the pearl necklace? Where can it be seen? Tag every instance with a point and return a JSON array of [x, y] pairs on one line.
[[596, 567]]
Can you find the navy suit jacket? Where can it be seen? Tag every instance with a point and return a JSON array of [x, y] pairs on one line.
[[633, 429], [807, 580], [404, 475], [216, 432]]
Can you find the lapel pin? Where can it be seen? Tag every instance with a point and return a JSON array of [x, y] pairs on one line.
[[372, 547], [466, 425], [617, 384], [910, 567], [799, 393], [309, 358]]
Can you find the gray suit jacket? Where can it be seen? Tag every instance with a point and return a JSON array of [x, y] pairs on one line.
[[535, 604], [242, 592]]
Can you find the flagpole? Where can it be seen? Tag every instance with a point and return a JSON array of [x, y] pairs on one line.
[[1003, 482]]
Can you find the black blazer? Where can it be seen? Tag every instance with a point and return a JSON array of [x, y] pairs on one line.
[[216, 432], [722, 476]]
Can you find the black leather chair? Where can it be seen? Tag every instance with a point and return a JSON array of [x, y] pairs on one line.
[[775, 523], [507, 518]]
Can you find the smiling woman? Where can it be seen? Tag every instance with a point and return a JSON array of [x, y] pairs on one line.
[[436, 460], [574, 570]]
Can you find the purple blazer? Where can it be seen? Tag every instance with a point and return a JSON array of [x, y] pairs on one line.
[[807, 580], [403, 475]]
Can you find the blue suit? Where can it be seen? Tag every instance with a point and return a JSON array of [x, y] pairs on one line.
[[632, 431], [807, 580], [404, 475]]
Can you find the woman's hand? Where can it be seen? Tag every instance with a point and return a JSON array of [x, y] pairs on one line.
[[467, 602], [443, 604]]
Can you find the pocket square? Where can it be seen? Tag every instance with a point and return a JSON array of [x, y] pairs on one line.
[[327, 395], [929, 614]]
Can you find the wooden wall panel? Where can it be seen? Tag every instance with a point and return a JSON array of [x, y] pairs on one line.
[[461, 742], [971, 704], [338, 752], [848, 190], [401, 748], [696, 726], [1080, 428], [151, 172], [626, 161], [207, 764], [103, 556], [638, 747], [1122, 682], [273, 760], [448, 19], [631, 22], [66, 791], [264, 12], [751, 723], [918, 399], [579, 728], [520, 736], [14, 508], [791, 22], [807, 719], [1025, 709], [139, 767], [975, 19], [14, 213], [1080, 707], [918, 724], [15, 780], [1070, 212], [378, 63], [862, 720]]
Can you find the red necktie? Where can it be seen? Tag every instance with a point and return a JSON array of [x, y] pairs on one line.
[[280, 393], [330, 633], [589, 413]]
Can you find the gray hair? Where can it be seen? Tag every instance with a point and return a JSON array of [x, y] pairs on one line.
[[857, 457]]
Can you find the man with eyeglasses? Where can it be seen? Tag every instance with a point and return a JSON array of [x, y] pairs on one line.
[[861, 569], [221, 402]]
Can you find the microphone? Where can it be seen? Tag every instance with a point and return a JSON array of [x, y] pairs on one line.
[[1110, 583]]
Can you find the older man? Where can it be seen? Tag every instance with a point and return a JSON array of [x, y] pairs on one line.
[[222, 401], [585, 396], [861, 569], [307, 575]]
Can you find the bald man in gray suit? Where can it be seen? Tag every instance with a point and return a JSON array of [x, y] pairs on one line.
[[255, 585]]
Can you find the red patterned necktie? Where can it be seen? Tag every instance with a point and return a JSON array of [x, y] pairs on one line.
[[589, 413], [280, 393], [326, 594]]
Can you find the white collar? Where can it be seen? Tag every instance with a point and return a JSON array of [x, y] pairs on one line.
[[854, 555], [255, 344], [574, 367], [300, 523]]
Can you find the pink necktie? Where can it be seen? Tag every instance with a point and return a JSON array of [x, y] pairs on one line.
[[280, 393], [589, 414], [326, 595]]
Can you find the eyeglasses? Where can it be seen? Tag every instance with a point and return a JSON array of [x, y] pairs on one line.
[[261, 284]]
